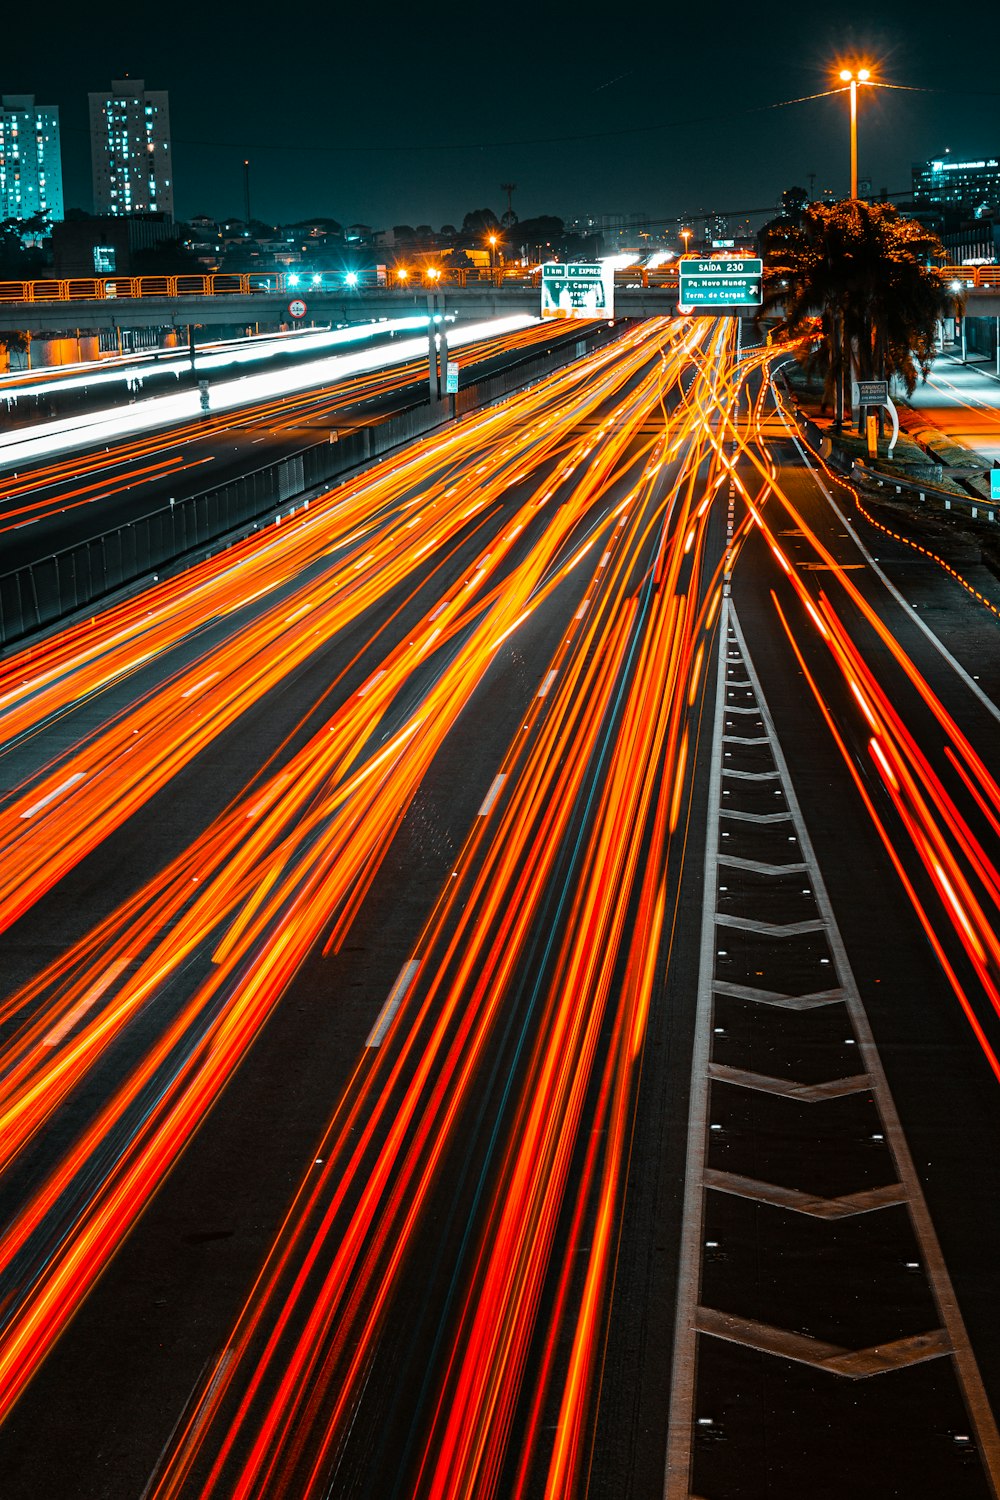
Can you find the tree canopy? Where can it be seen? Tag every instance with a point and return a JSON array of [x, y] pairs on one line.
[[866, 272], [480, 222]]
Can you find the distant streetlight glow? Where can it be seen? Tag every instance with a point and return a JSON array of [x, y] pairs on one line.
[[351, 279], [686, 237], [852, 79]]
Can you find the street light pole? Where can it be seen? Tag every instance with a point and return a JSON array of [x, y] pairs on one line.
[[853, 79]]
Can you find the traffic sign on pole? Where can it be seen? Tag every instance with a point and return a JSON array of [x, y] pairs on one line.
[[297, 308], [872, 393], [720, 283]]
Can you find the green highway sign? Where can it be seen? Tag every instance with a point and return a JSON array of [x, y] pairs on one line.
[[720, 283], [582, 289]]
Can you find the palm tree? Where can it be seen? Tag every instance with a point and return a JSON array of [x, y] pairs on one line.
[[865, 271]]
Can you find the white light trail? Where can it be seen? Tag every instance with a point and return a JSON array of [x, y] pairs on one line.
[[65, 434]]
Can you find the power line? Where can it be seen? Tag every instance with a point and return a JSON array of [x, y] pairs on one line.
[[409, 147]]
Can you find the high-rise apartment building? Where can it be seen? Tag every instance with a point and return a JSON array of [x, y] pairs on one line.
[[30, 163], [130, 150]]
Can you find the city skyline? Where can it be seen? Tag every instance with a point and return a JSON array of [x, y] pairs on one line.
[[422, 124]]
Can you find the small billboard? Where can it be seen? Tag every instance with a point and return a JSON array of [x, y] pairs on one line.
[[581, 289]]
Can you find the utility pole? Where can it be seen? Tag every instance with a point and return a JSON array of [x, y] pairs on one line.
[[509, 188], [437, 347], [246, 190]]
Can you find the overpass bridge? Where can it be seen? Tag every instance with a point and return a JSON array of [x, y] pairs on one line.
[[230, 302], [238, 310]]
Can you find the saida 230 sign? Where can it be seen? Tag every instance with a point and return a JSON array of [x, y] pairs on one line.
[[720, 283], [582, 289]]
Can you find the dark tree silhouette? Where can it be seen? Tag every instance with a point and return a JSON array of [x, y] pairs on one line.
[[866, 272]]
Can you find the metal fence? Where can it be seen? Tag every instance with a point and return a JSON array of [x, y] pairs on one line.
[[42, 592]]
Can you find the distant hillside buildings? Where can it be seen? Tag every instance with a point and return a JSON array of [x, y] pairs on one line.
[[30, 159]]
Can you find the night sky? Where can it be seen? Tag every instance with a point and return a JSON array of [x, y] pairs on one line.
[[384, 113]]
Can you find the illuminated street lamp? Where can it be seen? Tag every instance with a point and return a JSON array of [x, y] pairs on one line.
[[492, 242], [433, 274], [686, 237], [848, 76], [402, 274]]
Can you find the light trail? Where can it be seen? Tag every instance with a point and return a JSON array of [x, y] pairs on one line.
[[934, 819], [63, 434], [469, 958], [47, 489], [287, 864]]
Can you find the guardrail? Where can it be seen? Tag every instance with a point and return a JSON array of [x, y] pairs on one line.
[[977, 509], [41, 593]]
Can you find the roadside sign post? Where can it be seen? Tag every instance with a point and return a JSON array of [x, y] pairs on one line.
[[875, 393], [296, 308], [725, 283], [995, 484], [451, 379]]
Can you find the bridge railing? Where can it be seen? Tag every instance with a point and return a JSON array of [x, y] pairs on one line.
[[232, 283], [391, 278], [111, 288]]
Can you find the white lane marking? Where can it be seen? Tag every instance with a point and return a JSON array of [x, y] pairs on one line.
[[199, 685], [395, 1000], [63, 786], [582, 610], [976, 1401], [493, 793], [939, 646], [679, 1423], [65, 1026], [550, 679], [371, 683]]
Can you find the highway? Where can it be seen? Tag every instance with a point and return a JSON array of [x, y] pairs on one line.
[[502, 982], [95, 479]]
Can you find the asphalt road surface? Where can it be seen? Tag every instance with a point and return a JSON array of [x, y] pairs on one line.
[[501, 983]]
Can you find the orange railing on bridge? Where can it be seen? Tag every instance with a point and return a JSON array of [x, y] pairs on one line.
[[229, 283], [292, 284]]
